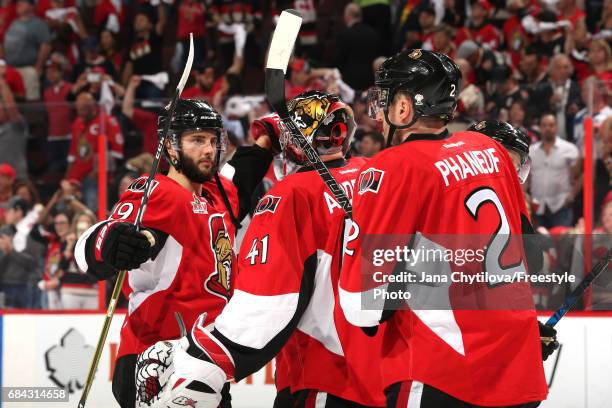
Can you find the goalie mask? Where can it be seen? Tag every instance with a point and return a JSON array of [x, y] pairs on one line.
[[326, 122], [191, 115], [511, 138]]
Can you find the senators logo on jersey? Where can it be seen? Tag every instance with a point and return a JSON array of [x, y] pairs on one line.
[[267, 203], [370, 180], [219, 282]]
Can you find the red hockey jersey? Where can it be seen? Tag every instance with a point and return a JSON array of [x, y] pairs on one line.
[[465, 186], [286, 292], [193, 272], [84, 144]]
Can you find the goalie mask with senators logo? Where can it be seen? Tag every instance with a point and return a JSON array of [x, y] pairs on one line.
[[326, 122]]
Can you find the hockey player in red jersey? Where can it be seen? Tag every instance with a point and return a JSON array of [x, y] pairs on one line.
[[286, 291], [193, 212], [516, 144], [432, 186]]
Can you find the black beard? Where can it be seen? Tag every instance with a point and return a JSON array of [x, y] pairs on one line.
[[192, 172]]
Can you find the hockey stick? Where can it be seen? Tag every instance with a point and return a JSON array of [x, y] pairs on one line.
[[137, 222], [577, 293], [283, 39]]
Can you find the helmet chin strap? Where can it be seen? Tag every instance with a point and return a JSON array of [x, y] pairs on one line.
[[393, 127]]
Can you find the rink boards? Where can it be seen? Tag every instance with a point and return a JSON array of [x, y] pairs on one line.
[[46, 350]]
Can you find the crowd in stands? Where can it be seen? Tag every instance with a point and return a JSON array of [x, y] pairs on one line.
[[73, 70]]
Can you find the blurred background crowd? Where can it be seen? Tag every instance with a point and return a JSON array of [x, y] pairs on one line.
[[72, 70]]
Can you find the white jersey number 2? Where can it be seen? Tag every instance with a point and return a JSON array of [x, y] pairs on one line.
[[498, 244]]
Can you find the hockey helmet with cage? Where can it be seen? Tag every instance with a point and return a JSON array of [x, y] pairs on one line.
[[326, 122], [432, 81], [191, 115], [511, 138]]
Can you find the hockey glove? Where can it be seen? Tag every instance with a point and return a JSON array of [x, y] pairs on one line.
[[121, 246], [267, 126], [548, 338]]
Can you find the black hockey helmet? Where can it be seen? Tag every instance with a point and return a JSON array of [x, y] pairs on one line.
[[511, 138], [431, 79], [190, 115], [326, 122]]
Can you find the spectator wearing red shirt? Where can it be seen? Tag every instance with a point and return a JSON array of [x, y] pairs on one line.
[[59, 116], [300, 79], [478, 28], [192, 19], [109, 15], [569, 11], [7, 179], [7, 15], [67, 28], [515, 36], [205, 86], [143, 120], [229, 12], [13, 79], [83, 155], [43, 5]]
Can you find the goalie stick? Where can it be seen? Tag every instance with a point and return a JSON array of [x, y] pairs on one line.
[[141, 210], [283, 39]]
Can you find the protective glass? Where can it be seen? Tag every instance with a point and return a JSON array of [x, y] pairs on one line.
[[523, 169]]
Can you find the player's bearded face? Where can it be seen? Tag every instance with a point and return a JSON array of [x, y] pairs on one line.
[[197, 155]]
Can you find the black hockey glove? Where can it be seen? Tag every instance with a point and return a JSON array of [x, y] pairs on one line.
[[122, 247], [548, 338]]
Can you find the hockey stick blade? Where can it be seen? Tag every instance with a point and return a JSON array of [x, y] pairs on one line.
[[279, 53], [577, 293], [141, 210]]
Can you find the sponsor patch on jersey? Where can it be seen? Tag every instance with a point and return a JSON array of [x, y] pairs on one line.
[[138, 185], [199, 205], [268, 203], [370, 180]]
